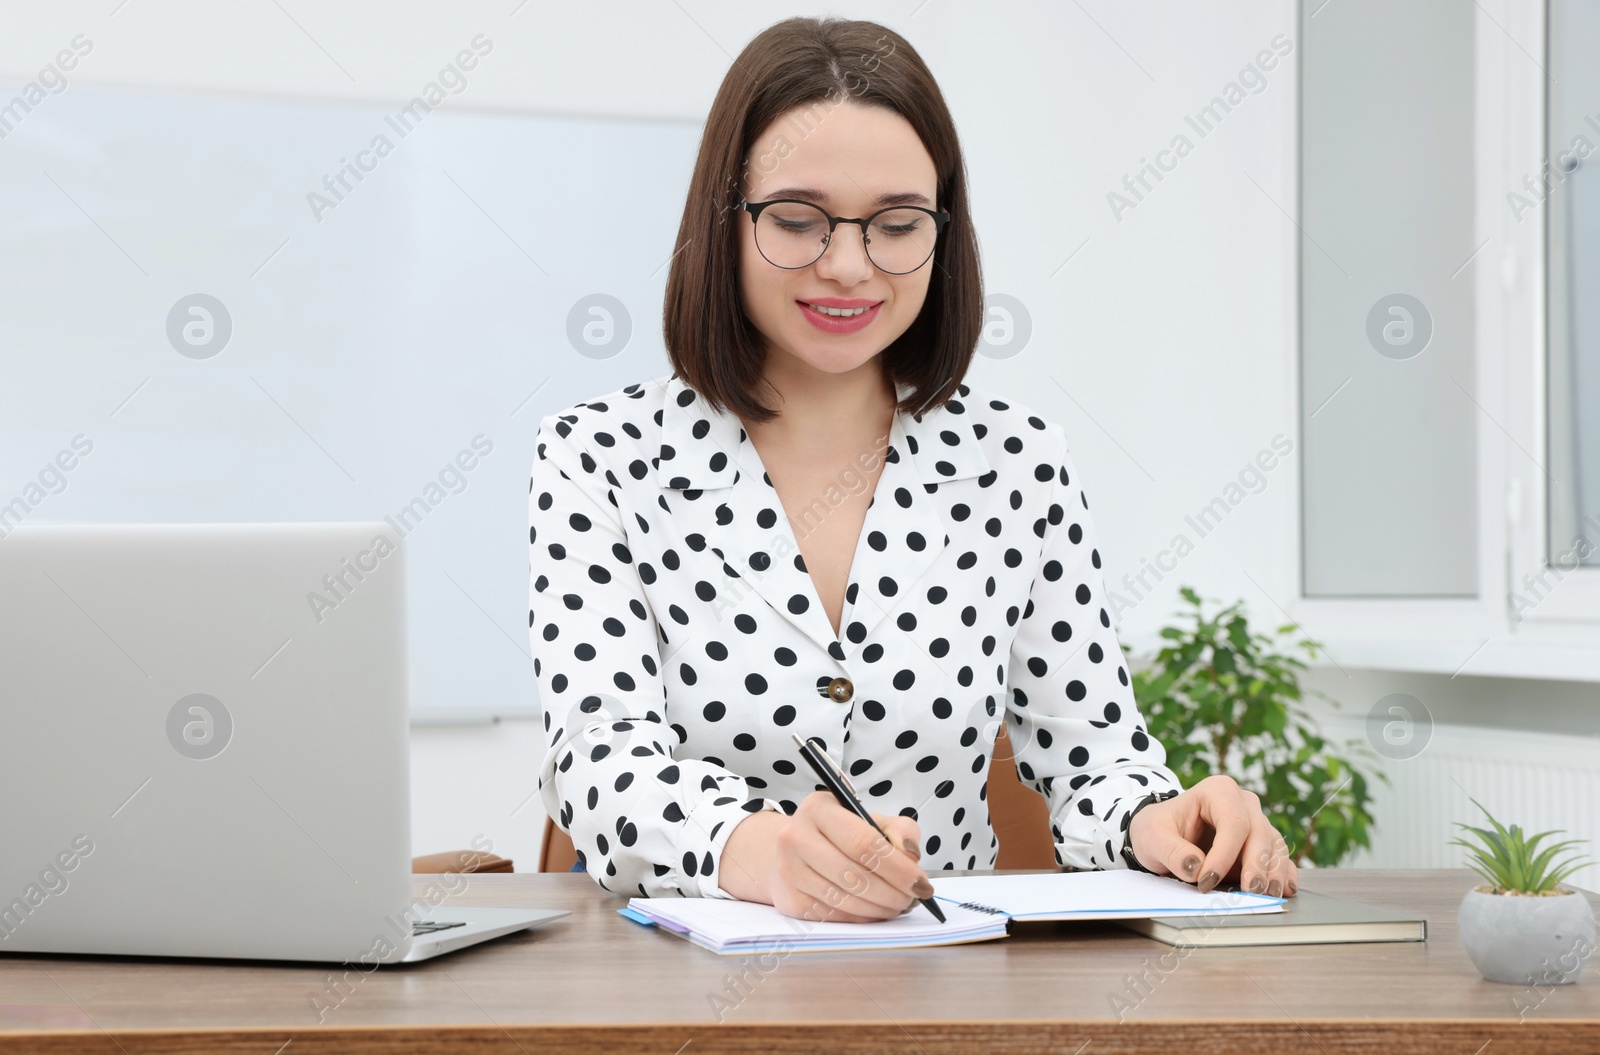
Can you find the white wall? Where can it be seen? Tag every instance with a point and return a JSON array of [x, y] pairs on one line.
[[1164, 346], [470, 780]]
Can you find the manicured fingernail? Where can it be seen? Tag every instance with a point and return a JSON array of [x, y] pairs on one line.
[[911, 848], [1190, 865], [922, 888], [1293, 889], [1257, 885], [1209, 880], [1275, 888]]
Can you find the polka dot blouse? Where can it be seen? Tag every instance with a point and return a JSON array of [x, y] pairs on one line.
[[678, 640]]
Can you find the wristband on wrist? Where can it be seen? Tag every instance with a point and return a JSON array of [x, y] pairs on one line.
[[1127, 834]]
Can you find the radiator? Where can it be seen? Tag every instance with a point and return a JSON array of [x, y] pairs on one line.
[[1540, 781]]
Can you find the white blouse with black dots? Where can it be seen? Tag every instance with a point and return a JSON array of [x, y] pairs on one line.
[[678, 639]]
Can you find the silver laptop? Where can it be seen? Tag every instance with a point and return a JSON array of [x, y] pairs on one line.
[[204, 748]]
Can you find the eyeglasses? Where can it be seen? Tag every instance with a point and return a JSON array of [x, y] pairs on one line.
[[794, 234]]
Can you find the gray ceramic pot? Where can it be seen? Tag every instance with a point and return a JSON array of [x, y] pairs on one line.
[[1528, 939]]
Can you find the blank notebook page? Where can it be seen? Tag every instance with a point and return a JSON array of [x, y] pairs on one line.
[[1111, 894], [721, 922]]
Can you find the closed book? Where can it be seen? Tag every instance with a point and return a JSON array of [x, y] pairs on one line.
[[1306, 919]]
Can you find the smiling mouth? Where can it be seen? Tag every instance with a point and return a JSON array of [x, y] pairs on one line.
[[839, 313]]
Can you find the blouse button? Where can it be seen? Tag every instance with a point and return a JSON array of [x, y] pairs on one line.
[[840, 690]]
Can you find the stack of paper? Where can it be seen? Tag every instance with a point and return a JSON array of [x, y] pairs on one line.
[[1114, 894], [736, 928]]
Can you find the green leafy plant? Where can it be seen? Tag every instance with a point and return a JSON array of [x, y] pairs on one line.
[[1224, 700], [1507, 859]]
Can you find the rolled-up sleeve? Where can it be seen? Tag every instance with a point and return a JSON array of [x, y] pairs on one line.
[[642, 818], [1076, 731]]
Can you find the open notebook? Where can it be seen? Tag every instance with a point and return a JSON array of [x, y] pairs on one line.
[[976, 908]]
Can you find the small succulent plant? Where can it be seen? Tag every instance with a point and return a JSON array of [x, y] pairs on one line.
[[1507, 858]]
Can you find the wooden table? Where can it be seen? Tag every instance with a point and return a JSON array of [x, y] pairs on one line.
[[596, 982]]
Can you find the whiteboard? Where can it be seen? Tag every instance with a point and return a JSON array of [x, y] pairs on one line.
[[253, 310]]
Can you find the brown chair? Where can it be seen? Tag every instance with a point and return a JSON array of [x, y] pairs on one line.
[[459, 861], [556, 853], [1020, 818]]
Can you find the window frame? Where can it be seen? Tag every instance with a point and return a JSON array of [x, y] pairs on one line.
[[1556, 638]]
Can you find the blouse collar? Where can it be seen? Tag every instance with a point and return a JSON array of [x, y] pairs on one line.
[[702, 447]]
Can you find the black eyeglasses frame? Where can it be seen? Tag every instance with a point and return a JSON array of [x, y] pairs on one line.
[[940, 219]]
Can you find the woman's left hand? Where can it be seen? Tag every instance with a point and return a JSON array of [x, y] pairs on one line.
[[1211, 833]]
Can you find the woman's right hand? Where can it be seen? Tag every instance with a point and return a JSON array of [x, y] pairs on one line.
[[825, 863]]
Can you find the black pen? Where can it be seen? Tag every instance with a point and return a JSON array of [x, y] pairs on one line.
[[834, 779]]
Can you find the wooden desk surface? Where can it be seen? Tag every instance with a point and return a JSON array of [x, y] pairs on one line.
[[595, 981]]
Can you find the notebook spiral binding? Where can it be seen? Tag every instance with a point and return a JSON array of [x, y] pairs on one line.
[[981, 908]]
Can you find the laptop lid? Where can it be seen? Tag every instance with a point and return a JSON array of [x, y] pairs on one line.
[[204, 741]]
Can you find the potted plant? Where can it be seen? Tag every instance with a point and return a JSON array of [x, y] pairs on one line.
[[1222, 699], [1522, 926]]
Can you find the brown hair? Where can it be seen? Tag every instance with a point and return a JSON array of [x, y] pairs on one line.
[[710, 341]]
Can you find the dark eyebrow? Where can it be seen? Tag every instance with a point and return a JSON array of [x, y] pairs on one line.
[[816, 197]]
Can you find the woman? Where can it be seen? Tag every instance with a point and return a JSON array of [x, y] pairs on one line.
[[815, 527]]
